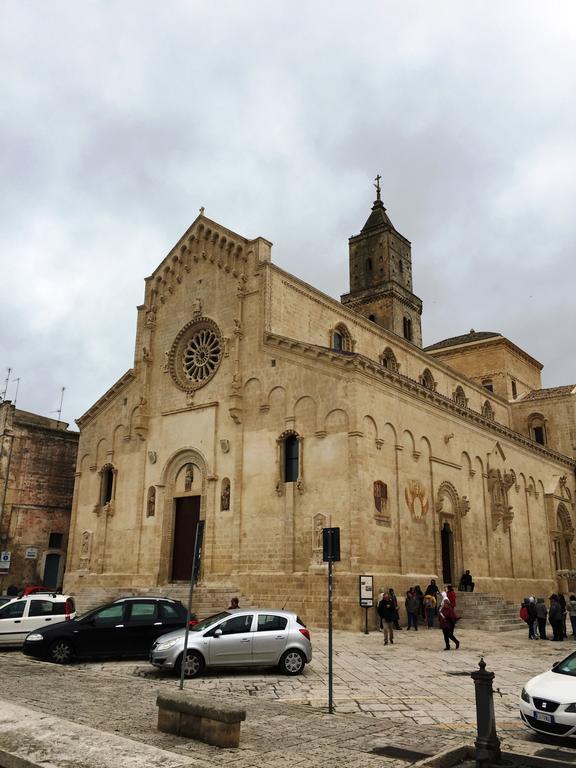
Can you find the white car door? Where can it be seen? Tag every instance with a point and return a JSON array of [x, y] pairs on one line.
[[40, 614], [12, 631]]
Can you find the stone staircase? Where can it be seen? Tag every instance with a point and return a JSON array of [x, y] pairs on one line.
[[489, 612]]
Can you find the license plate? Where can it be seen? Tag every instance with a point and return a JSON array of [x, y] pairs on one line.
[[543, 717]]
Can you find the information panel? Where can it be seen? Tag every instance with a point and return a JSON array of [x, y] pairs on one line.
[[367, 591]]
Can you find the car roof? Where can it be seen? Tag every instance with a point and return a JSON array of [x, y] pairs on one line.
[[279, 611], [144, 597]]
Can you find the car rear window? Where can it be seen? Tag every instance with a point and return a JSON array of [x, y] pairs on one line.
[[299, 621], [173, 611], [268, 622], [42, 608]]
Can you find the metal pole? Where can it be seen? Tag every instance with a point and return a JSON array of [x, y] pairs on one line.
[[330, 697], [189, 608], [366, 620]]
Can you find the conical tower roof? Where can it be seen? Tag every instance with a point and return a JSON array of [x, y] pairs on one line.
[[378, 217]]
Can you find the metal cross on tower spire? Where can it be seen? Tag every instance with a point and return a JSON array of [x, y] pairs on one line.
[[377, 185]]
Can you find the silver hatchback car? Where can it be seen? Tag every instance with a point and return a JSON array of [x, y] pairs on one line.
[[238, 638]]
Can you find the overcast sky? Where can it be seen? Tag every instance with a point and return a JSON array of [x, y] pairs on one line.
[[118, 120]]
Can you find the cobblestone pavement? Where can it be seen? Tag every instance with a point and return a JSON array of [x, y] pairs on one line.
[[411, 694]]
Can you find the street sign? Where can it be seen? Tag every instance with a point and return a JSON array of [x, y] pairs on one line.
[[330, 544], [5, 558], [30, 553]]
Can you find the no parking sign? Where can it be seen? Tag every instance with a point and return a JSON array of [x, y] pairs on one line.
[[5, 561]]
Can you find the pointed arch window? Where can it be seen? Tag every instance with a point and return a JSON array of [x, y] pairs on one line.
[[289, 459], [389, 360], [459, 397], [340, 338], [488, 410], [427, 380]]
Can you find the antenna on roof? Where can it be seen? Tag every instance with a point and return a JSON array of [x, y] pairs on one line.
[[17, 388], [61, 401], [6, 381]]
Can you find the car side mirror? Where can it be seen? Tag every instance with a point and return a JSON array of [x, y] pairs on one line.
[[217, 633]]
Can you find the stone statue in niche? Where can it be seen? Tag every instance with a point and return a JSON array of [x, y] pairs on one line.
[[319, 523], [85, 549], [151, 505], [498, 485], [225, 495], [189, 477]]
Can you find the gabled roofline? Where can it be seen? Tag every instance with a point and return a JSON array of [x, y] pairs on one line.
[[494, 341], [106, 398]]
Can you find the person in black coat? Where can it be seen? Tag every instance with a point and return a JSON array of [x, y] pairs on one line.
[[555, 618], [387, 612]]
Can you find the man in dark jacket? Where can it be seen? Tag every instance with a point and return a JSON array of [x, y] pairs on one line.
[[387, 612], [412, 605], [541, 614], [555, 617]]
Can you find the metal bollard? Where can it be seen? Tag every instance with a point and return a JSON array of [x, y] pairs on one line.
[[487, 744]]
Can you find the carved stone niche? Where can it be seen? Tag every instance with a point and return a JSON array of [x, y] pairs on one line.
[[498, 486], [449, 503], [318, 523], [381, 504], [85, 550]]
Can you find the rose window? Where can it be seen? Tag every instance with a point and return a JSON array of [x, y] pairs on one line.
[[202, 355], [196, 354]]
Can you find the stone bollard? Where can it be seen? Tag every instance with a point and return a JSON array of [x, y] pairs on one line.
[[487, 744]]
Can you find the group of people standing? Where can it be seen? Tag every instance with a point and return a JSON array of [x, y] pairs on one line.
[[534, 612], [419, 604]]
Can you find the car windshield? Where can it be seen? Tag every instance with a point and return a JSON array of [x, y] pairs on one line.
[[205, 623], [567, 666]]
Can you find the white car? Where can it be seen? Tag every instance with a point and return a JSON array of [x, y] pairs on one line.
[[25, 614], [548, 701]]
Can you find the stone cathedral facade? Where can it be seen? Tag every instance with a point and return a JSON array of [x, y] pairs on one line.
[[268, 410]]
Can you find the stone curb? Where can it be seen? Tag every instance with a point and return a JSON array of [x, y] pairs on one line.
[[8, 760], [447, 758]]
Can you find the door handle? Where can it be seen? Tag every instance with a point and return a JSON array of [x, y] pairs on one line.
[[279, 637], [245, 641], [17, 621], [119, 626], [157, 623], [47, 619]]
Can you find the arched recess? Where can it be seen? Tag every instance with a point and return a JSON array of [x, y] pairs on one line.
[[181, 508], [488, 410], [389, 360], [562, 538], [336, 421], [118, 436], [450, 508], [252, 398], [305, 415], [100, 452], [370, 429], [277, 402], [409, 442]]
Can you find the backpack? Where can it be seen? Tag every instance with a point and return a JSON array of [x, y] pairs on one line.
[[524, 613]]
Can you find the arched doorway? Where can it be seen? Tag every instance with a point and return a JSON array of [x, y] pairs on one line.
[[183, 486], [447, 545]]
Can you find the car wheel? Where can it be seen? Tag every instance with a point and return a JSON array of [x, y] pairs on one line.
[[61, 652], [193, 665], [292, 662]]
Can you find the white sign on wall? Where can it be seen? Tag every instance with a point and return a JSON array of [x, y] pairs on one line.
[[366, 591], [30, 553], [5, 561]]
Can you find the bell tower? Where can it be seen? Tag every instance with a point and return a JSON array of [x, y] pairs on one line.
[[381, 276]]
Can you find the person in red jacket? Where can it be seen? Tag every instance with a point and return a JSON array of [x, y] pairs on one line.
[[447, 617], [451, 595]]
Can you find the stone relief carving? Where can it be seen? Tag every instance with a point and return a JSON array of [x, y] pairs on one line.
[[225, 495], [416, 499], [318, 523], [85, 549], [151, 502], [381, 508], [498, 486], [225, 446]]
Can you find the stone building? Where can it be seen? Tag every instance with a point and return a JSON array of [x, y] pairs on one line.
[[268, 410], [37, 462]]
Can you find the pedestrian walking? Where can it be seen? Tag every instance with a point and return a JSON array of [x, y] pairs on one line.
[[420, 595], [541, 614], [430, 609], [525, 616], [448, 619], [387, 611], [571, 607], [397, 617], [451, 595], [555, 618], [412, 607]]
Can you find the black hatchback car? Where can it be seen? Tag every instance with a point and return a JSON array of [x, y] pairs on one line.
[[126, 627]]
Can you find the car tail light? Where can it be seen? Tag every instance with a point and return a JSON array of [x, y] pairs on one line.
[[67, 609], [192, 622], [305, 633]]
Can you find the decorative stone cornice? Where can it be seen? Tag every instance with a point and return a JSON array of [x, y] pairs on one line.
[[356, 362]]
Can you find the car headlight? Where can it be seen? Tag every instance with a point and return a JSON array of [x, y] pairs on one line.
[[524, 696], [571, 708], [34, 637], [165, 646]]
